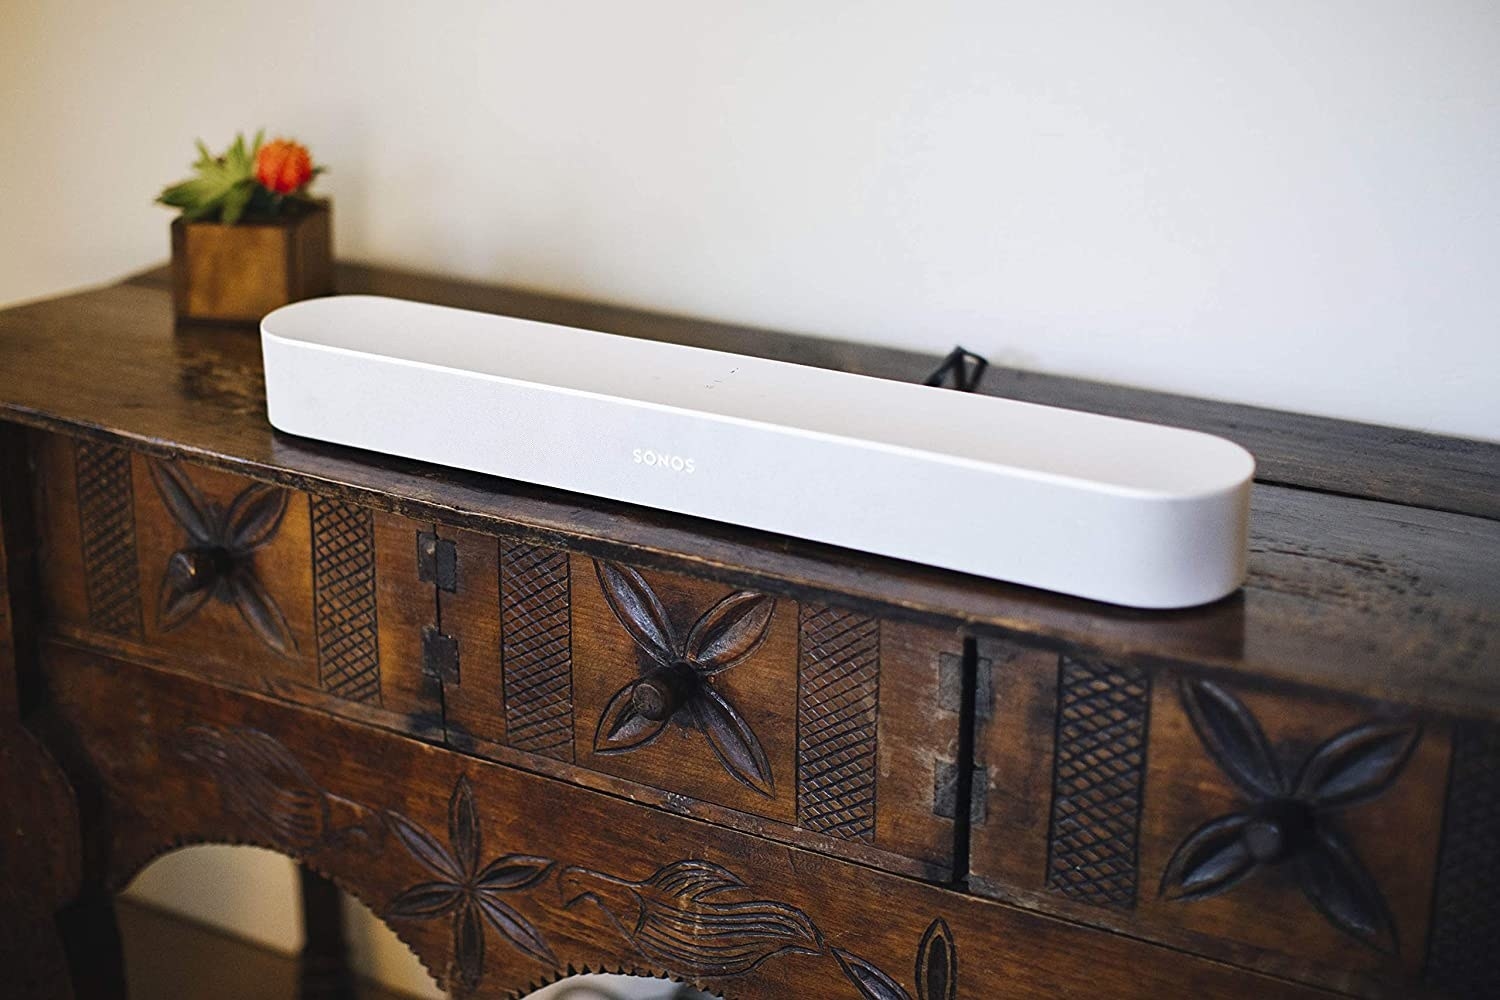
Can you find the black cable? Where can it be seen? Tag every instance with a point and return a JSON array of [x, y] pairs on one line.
[[965, 368]]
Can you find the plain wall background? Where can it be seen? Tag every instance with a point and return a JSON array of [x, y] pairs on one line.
[[1286, 203]]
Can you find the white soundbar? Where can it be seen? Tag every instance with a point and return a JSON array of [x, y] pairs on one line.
[[1114, 510]]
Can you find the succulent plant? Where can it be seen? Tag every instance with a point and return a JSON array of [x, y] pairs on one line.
[[256, 180]]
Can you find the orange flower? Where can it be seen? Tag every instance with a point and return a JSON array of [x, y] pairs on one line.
[[283, 166]]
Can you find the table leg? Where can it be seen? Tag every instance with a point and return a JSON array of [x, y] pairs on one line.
[[323, 969]]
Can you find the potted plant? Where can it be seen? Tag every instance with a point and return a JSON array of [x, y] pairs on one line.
[[249, 237]]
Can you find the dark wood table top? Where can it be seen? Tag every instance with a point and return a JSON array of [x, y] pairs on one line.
[[1375, 562]]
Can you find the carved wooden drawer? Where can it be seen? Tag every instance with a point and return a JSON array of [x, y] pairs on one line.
[[813, 724], [212, 574], [1294, 831], [805, 722]]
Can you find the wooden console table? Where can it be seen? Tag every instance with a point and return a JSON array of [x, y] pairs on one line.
[[541, 733]]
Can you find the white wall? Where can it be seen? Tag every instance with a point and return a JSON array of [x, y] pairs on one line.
[[253, 894], [1287, 202]]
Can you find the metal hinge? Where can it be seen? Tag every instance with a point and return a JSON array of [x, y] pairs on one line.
[[437, 561], [439, 655], [945, 791], [951, 685]]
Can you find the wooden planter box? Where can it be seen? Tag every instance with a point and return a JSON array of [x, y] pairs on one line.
[[238, 273]]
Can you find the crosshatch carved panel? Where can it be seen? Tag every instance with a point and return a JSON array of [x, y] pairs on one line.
[[1466, 908], [64, 572], [837, 716], [106, 518], [344, 583], [536, 649], [1096, 787]]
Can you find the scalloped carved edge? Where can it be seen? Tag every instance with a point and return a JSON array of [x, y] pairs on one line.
[[736, 930], [124, 869]]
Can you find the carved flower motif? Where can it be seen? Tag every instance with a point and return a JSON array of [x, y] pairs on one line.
[[691, 916], [1287, 820], [467, 892], [677, 672], [217, 561]]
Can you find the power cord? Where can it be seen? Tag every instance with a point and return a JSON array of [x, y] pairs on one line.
[[960, 369]]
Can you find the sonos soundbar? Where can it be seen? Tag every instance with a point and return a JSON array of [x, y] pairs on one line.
[[1114, 510]]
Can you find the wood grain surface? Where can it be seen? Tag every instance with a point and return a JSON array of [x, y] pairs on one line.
[[539, 732], [557, 877]]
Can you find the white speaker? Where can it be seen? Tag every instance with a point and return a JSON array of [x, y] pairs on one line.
[[1114, 510]]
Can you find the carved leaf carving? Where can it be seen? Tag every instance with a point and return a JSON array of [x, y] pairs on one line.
[[184, 502], [1357, 764], [1337, 884], [427, 899], [463, 826], [254, 516], [729, 632], [638, 608], [468, 946], [870, 981], [513, 871], [1212, 859], [514, 928], [937, 963], [937, 969], [425, 848], [1233, 738], [733, 741], [174, 605], [622, 728], [260, 612]]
